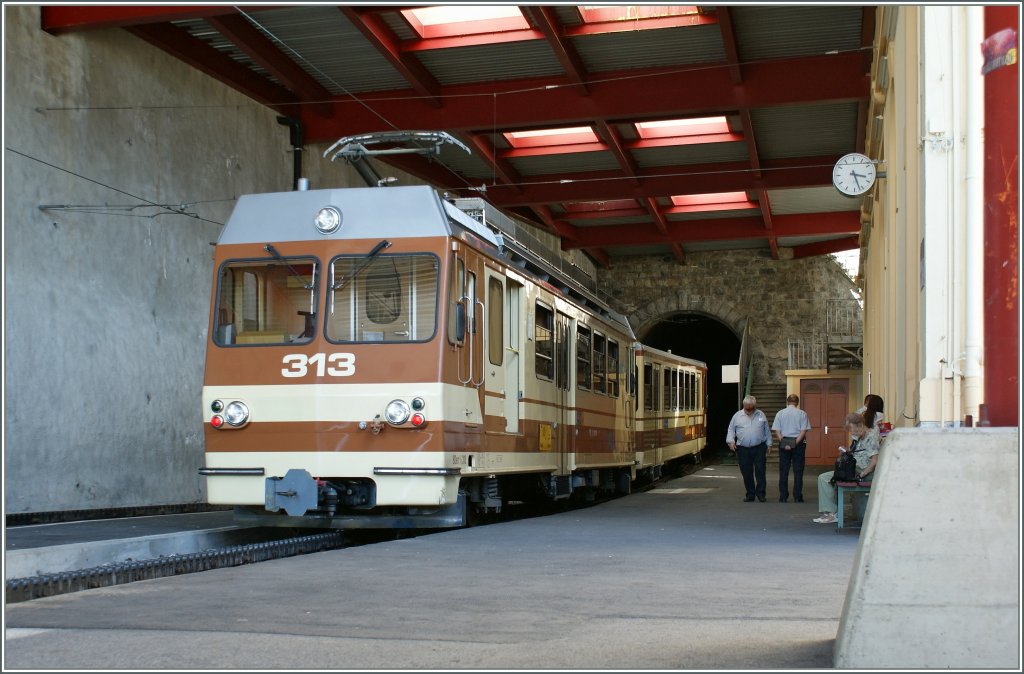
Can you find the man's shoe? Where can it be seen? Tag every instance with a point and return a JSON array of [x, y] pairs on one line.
[[798, 499], [783, 499], [826, 518], [748, 499], [761, 499]]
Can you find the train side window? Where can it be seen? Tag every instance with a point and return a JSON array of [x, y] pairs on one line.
[[667, 389], [265, 301], [613, 368], [544, 353], [456, 291], [648, 386], [495, 325], [656, 387], [583, 357], [600, 362]]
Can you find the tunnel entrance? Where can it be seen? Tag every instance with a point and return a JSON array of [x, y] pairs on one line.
[[703, 338]]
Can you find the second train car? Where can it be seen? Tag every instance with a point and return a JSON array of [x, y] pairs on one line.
[[383, 357]]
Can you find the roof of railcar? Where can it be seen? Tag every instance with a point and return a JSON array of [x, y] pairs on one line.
[[666, 355], [366, 213]]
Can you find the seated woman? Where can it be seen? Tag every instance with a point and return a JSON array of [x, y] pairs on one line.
[[865, 450]]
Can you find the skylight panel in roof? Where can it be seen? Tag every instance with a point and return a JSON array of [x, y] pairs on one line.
[[551, 137], [601, 13], [719, 201], [668, 128], [454, 20]]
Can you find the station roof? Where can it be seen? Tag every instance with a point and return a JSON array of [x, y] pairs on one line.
[[623, 130]]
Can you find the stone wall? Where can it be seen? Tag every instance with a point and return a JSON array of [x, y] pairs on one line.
[[782, 299], [107, 302]]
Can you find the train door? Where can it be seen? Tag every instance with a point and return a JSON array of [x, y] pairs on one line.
[[501, 341], [513, 341], [565, 399], [826, 402]]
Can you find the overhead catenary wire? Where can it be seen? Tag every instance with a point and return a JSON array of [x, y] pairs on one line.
[[171, 210]]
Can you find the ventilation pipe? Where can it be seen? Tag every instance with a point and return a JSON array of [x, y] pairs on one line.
[[295, 138]]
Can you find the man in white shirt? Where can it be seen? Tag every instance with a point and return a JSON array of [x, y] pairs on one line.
[[750, 437], [791, 426]]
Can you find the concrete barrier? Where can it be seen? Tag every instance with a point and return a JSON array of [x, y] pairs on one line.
[[936, 577]]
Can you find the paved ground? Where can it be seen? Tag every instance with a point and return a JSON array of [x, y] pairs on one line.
[[682, 577]]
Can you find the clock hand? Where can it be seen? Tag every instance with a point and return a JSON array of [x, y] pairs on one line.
[[856, 177]]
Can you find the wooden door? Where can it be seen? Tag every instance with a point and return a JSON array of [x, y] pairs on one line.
[[827, 402]]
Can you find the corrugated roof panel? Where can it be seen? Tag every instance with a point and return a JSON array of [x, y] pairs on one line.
[[766, 32], [650, 48], [805, 130], [790, 241], [329, 48], [811, 200], [701, 153], [578, 162], [714, 215], [483, 63], [742, 244], [398, 25], [592, 223], [646, 251]]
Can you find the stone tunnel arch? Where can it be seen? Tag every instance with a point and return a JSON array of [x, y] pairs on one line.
[[704, 328]]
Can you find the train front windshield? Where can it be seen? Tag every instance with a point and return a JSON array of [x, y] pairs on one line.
[[388, 298], [266, 302]]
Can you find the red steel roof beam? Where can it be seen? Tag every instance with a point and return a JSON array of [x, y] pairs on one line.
[[614, 143], [263, 51], [600, 255], [826, 247], [547, 22], [381, 37], [179, 43], [732, 57], [529, 103], [728, 229], [503, 169], [60, 19], [664, 181]]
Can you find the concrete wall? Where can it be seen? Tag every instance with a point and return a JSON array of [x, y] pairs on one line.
[[106, 312], [936, 578], [782, 299]]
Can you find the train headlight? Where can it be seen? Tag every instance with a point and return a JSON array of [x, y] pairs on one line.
[[236, 413], [217, 406], [418, 404], [328, 220], [397, 412]]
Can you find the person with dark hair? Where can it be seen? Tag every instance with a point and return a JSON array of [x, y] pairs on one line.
[[750, 437], [864, 445], [791, 426], [872, 411]]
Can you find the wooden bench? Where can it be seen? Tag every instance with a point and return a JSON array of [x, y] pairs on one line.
[[843, 488]]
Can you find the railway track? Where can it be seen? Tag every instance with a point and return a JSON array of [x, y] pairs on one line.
[[267, 546]]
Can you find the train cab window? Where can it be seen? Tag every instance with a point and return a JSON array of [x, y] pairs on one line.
[[600, 362], [267, 301], [583, 357], [543, 335], [390, 298], [648, 386], [495, 326], [613, 368]]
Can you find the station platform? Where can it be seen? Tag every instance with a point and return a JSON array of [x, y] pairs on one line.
[[683, 576]]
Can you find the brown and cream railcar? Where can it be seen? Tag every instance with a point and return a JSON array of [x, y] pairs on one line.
[[671, 408], [379, 358]]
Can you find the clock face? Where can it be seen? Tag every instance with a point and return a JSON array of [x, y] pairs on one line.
[[854, 174]]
